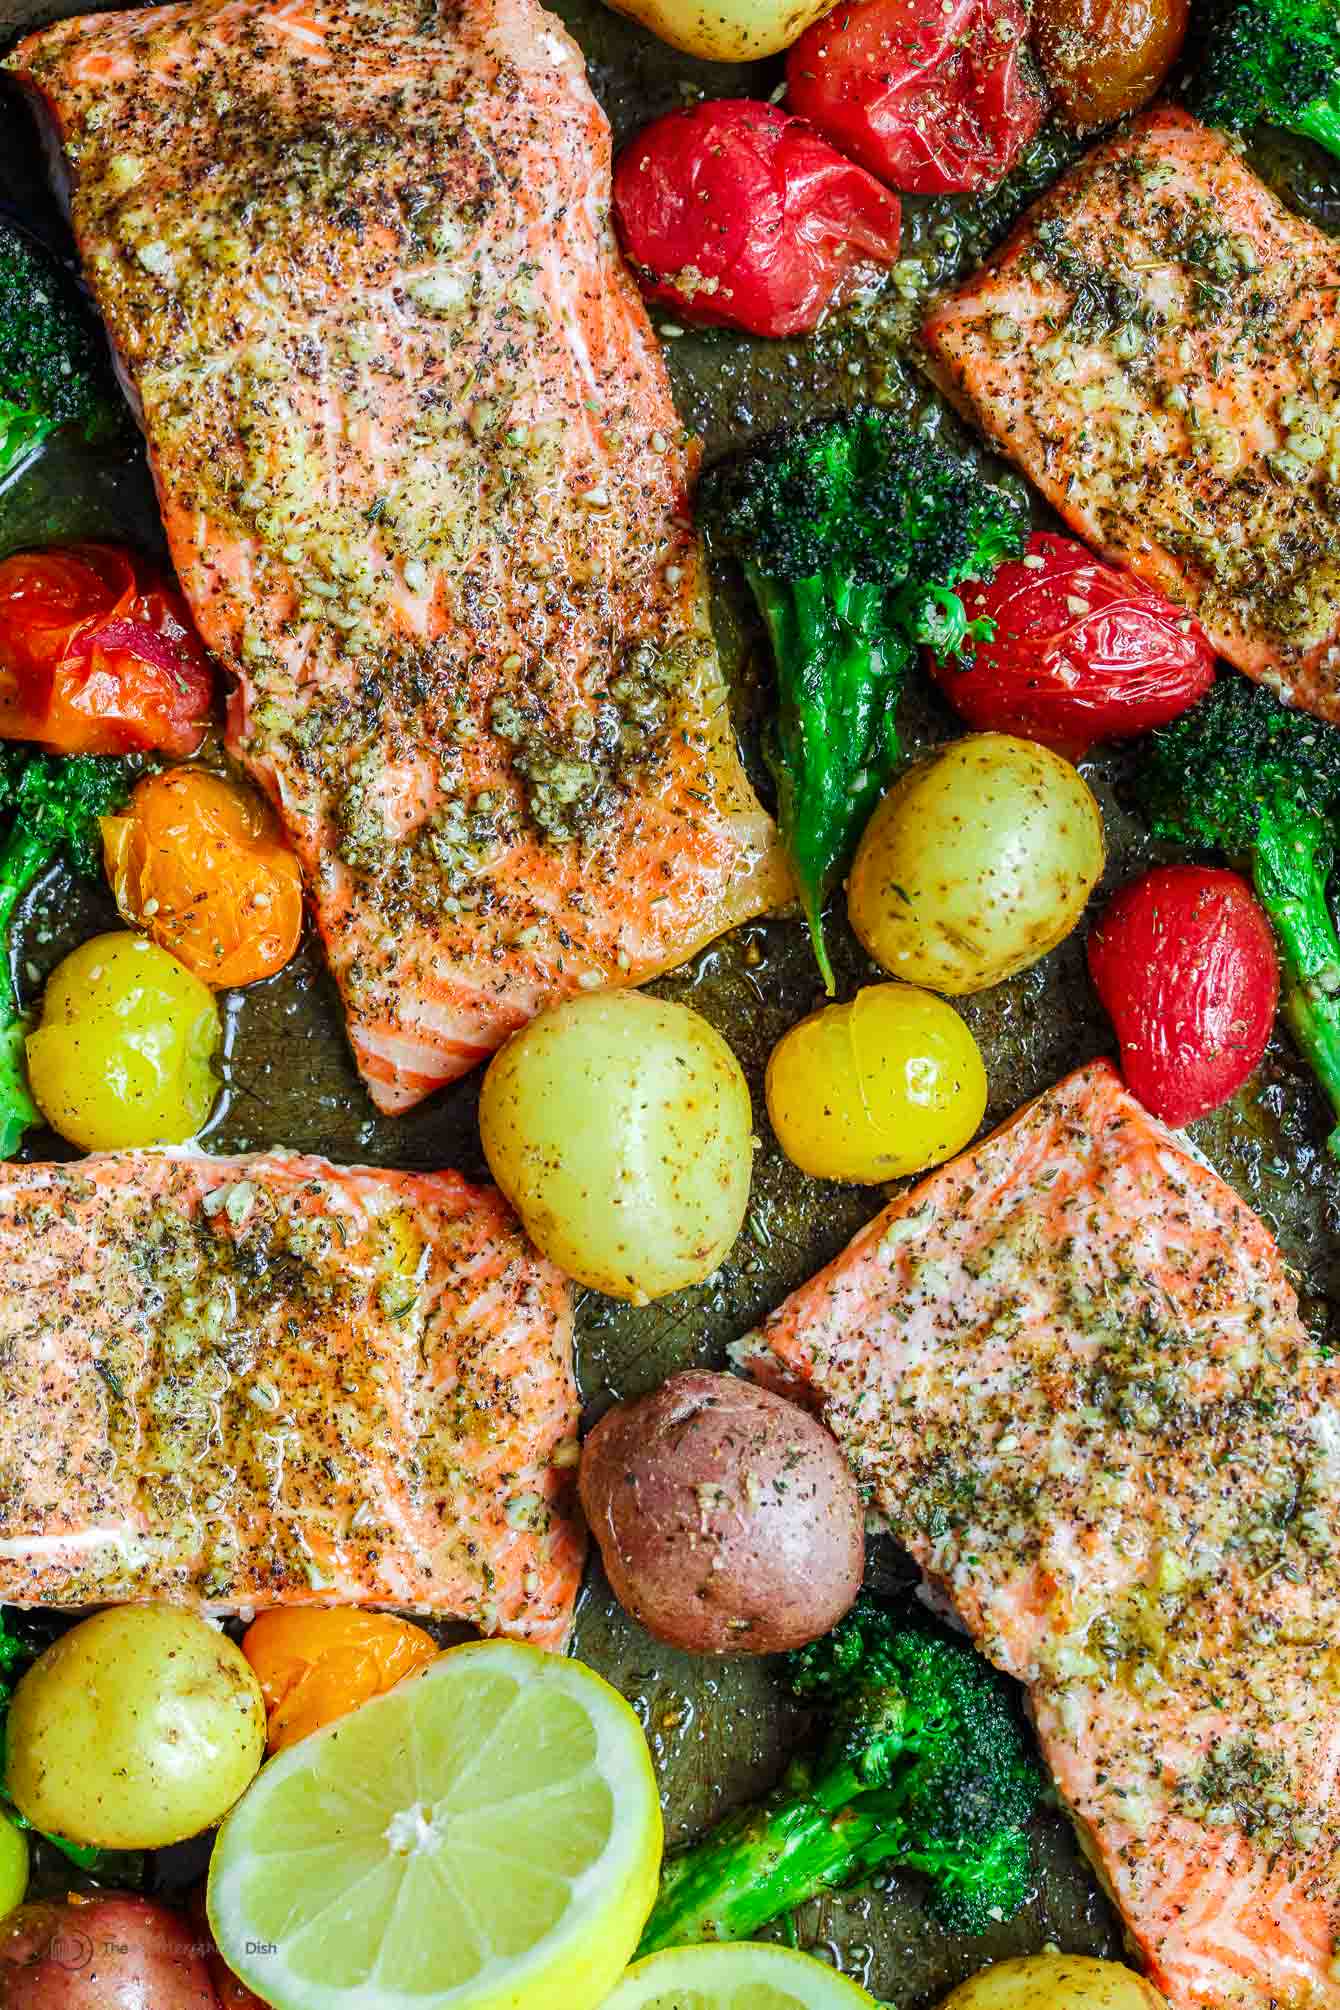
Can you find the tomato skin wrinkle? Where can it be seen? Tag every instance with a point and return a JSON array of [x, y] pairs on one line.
[[1082, 652], [1184, 961], [98, 655], [933, 102], [737, 213]]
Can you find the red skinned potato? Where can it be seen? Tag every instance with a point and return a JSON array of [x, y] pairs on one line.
[[1184, 961], [117, 1952], [935, 98], [1082, 652], [726, 1517], [738, 213]]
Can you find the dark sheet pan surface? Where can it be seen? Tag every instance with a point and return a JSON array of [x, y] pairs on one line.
[[719, 1732]]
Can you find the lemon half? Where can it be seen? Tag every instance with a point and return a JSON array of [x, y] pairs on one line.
[[486, 1836], [739, 1975]]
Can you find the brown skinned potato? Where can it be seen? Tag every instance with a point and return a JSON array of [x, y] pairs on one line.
[[118, 1952], [1107, 58], [726, 1517], [1055, 1982]]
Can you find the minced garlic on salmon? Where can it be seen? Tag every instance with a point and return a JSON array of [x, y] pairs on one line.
[[425, 490], [1158, 347], [1069, 1369], [273, 1381]]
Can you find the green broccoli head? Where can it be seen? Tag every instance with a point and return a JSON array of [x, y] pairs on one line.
[[55, 801], [965, 1765], [924, 1721], [49, 810], [854, 532], [972, 1893], [862, 498], [859, 1654], [1243, 774], [1272, 60], [54, 370], [1238, 756]]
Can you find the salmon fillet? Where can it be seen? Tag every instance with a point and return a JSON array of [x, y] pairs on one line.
[[1069, 1369], [273, 1381], [424, 488], [1158, 347]]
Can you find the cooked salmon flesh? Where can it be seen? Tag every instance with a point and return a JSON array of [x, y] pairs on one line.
[[424, 488], [270, 1381], [1158, 347], [1069, 1369]]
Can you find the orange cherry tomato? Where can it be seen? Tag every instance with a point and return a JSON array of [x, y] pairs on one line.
[[194, 860], [316, 1663], [98, 655]]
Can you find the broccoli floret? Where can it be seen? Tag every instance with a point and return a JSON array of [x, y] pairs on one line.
[[49, 810], [853, 531], [1242, 774], [925, 1766], [53, 365], [1272, 60]]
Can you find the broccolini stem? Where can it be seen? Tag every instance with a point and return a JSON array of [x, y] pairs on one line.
[[1320, 120], [22, 857], [837, 688], [1291, 870], [758, 1864]]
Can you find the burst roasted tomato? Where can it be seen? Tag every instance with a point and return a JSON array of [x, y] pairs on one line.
[[98, 656], [1184, 961], [1105, 59], [317, 1663], [738, 213], [195, 861], [1082, 652], [933, 99]]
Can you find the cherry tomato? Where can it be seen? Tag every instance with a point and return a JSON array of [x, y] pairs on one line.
[[98, 656], [1105, 59], [194, 860], [739, 213], [1082, 652], [123, 1053], [932, 98], [890, 1084], [1184, 962], [316, 1663]]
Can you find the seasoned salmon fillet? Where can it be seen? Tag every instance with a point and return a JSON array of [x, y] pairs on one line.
[[424, 488], [273, 1381], [1069, 1369], [1158, 347]]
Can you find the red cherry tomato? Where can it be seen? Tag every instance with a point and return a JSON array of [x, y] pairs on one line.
[[933, 98], [98, 656], [1184, 962], [1082, 652], [738, 213]]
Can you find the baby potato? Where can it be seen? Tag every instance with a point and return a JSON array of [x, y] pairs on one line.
[[619, 1127], [1055, 1982], [890, 1084], [727, 1518], [112, 1951], [137, 1728], [732, 31], [13, 1865], [123, 1053], [978, 862]]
